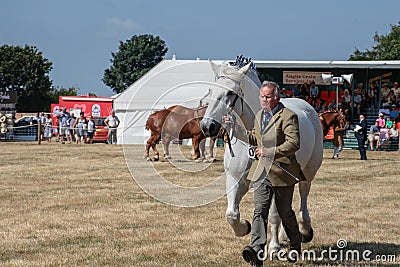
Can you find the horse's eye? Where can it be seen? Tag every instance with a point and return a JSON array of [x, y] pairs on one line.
[[230, 93]]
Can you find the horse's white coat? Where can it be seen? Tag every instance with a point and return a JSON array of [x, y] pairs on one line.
[[237, 168]]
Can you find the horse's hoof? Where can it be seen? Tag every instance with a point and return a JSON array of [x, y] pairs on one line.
[[198, 160], [307, 238], [248, 224], [156, 159], [148, 159]]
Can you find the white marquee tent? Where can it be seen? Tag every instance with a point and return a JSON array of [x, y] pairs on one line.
[[171, 82]]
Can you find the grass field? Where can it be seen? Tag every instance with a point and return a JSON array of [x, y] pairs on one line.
[[78, 205]]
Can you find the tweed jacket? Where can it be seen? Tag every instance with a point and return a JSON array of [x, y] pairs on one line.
[[282, 139]]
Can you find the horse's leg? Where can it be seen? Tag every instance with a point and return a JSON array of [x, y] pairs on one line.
[[273, 217], [211, 151], [303, 218], [202, 148], [166, 146], [148, 144], [236, 191], [196, 142], [154, 147]]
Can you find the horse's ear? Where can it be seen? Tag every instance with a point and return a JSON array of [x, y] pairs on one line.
[[215, 68], [245, 69]]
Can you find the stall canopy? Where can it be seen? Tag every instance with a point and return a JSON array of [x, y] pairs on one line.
[[171, 82]]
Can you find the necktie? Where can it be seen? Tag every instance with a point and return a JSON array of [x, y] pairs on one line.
[[266, 117]]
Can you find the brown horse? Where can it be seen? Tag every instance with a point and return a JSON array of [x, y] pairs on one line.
[[175, 122], [328, 119]]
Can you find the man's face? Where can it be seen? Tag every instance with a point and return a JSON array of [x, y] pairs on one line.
[[361, 117], [268, 99]]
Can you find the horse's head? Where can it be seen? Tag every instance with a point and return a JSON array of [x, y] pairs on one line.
[[226, 96]]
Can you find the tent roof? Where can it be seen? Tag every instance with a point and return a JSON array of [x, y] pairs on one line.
[[169, 83]]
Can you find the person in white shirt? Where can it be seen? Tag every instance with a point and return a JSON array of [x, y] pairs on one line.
[[112, 122], [91, 127], [396, 90]]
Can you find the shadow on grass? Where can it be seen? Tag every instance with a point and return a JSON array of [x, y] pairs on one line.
[[354, 254]]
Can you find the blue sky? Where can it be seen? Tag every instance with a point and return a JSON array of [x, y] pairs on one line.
[[79, 36]]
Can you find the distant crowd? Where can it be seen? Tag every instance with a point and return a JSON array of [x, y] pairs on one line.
[[389, 98], [70, 129]]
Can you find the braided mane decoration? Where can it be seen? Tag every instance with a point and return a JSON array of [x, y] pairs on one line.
[[241, 61]]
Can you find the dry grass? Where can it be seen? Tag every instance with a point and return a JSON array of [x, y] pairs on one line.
[[77, 205]]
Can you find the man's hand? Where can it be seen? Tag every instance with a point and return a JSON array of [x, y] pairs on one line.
[[226, 119], [262, 152]]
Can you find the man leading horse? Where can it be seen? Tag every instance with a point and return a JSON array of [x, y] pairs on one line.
[[279, 180]]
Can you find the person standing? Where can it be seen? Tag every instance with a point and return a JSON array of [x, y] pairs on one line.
[[112, 122], [48, 128], [71, 130], [80, 127], [361, 134], [338, 132], [90, 129], [278, 138], [63, 117], [314, 91]]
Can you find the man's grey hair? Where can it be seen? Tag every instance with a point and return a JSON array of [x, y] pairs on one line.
[[271, 84]]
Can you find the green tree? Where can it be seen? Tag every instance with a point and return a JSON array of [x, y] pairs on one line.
[[55, 93], [134, 58], [25, 70], [386, 47]]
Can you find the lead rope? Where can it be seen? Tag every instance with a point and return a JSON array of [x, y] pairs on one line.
[[231, 107]]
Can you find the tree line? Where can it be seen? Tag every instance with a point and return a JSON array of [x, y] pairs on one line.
[[26, 70]]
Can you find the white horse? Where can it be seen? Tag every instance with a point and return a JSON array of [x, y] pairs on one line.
[[236, 92]]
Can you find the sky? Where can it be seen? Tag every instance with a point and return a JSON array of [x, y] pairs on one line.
[[78, 37]]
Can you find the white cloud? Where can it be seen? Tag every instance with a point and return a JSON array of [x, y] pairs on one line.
[[118, 28], [118, 24]]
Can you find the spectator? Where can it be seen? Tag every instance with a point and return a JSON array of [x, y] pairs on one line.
[[381, 121], [346, 99], [296, 90], [394, 134], [90, 129], [363, 94], [63, 125], [80, 126], [390, 100], [383, 135], [396, 90], [385, 111], [385, 93], [48, 128], [357, 101], [112, 122], [314, 91], [374, 136], [71, 130], [388, 123], [304, 92], [397, 121], [372, 96]]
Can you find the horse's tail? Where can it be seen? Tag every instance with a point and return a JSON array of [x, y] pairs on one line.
[[146, 126]]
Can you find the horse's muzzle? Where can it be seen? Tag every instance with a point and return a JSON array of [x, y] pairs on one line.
[[210, 127]]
